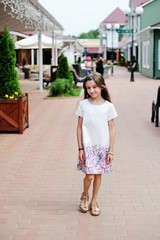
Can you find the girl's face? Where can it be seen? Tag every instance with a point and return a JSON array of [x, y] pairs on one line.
[[93, 90]]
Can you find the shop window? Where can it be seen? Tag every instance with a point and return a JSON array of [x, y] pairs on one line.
[[158, 54], [146, 54]]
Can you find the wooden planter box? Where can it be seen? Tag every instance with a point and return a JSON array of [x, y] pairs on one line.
[[14, 114]]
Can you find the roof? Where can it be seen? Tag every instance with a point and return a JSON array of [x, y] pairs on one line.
[[93, 49], [29, 33], [117, 16], [27, 15], [89, 42], [137, 3]]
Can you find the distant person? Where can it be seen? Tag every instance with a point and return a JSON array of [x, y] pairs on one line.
[[99, 64], [112, 63], [88, 65], [112, 58]]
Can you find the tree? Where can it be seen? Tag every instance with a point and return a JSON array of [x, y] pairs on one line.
[[93, 34], [8, 78], [63, 71], [63, 82]]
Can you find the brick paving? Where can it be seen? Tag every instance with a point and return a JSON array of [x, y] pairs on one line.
[[40, 187]]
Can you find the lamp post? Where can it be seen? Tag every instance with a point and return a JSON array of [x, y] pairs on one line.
[[133, 15], [112, 28]]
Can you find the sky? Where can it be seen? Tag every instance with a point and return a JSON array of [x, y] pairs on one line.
[[77, 16]]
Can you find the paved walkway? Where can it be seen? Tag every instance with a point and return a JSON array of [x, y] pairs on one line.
[[40, 187]]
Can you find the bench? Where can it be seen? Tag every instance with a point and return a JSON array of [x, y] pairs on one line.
[[76, 78], [155, 109], [48, 80], [80, 72], [132, 68]]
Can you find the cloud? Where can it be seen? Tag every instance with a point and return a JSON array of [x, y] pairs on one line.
[[77, 16]]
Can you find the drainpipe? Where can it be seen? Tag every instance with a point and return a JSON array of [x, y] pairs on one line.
[[155, 54]]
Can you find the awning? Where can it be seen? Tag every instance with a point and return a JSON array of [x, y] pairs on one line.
[[32, 42], [23, 15]]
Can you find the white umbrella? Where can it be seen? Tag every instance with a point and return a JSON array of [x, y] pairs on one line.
[[32, 42]]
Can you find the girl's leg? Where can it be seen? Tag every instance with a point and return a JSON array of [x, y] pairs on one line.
[[87, 182], [96, 186], [85, 198]]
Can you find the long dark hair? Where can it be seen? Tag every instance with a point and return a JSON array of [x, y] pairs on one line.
[[99, 80]]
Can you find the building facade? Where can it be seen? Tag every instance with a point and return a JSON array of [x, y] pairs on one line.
[[109, 37], [146, 40], [150, 40]]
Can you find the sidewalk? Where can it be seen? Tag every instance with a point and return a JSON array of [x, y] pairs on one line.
[[40, 187]]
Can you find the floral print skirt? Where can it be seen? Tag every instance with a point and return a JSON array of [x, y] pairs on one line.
[[95, 160]]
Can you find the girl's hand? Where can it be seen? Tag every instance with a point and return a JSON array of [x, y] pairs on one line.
[[109, 158], [81, 156]]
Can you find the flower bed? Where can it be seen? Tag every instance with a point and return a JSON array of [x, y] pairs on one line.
[[14, 114]]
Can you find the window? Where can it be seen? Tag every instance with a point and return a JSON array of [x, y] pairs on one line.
[[129, 52], [146, 54], [158, 54]]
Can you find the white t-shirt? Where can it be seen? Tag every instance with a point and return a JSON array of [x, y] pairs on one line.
[[95, 122]]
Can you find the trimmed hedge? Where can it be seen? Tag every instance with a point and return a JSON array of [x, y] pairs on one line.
[[59, 86], [8, 75]]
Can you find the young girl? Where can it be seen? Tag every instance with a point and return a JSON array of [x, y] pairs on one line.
[[88, 65], [95, 136]]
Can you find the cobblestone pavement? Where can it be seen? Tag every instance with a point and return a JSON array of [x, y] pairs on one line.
[[40, 187]]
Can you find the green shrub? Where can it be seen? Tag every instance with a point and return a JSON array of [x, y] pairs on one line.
[[64, 81], [63, 70], [59, 87], [8, 75]]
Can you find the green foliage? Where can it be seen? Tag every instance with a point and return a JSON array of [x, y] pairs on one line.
[[75, 92], [8, 75], [59, 86], [93, 34], [64, 81], [63, 71]]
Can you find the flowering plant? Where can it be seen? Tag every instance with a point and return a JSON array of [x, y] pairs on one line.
[[9, 83], [14, 96]]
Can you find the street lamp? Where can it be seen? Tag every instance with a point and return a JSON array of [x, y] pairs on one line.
[[112, 28], [138, 12]]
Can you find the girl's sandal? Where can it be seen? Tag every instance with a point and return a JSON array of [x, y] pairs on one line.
[[94, 209], [84, 203]]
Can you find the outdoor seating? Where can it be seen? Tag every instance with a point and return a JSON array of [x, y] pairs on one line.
[[76, 78], [20, 73], [80, 72], [48, 80], [155, 109], [26, 72]]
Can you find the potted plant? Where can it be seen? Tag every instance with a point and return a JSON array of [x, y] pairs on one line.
[[13, 103]]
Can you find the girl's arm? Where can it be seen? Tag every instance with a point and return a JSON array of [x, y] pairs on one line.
[[112, 139], [79, 139]]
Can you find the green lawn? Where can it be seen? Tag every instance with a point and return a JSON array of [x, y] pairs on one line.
[[74, 92]]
